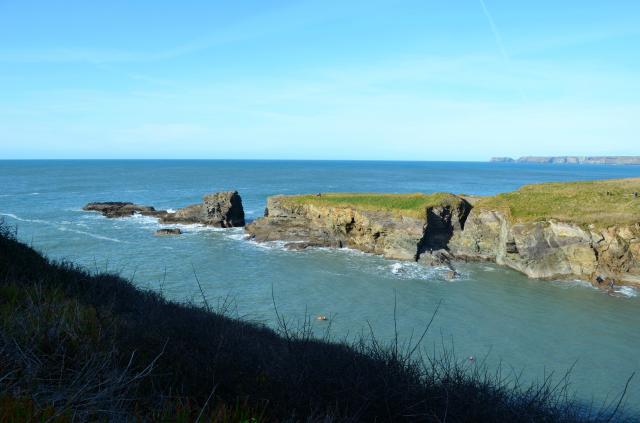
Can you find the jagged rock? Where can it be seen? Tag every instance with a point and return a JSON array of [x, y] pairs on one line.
[[551, 249], [168, 231], [440, 257], [302, 245], [372, 231], [221, 209], [113, 209]]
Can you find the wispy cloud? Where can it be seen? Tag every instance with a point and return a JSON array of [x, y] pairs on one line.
[[494, 30]]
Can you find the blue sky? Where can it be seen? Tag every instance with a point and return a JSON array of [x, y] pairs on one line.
[[391, 80]]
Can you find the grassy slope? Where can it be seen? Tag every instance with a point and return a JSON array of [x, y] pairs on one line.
[[579, 202], [413, 205], [77, 347]]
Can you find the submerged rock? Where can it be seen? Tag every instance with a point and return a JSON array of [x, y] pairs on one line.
[[168, 231]]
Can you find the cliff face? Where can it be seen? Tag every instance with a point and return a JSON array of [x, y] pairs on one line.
[[551, 249], [541, 249], [374, 231]]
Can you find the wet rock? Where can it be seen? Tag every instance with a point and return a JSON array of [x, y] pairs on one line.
[[113, 209], [168, 231], [221, 209], [451, 275], [440, 257]]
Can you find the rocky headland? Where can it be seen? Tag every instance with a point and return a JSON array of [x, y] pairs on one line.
[[586, 230], [220, 209], [609, 160]]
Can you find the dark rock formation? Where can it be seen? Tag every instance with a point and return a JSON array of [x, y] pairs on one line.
[[114, 209], [221, 209], [168, 231]]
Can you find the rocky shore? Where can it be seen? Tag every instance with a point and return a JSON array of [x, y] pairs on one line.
[[585, 230], [452, 227]]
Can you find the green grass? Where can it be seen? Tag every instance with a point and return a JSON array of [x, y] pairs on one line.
[[412, 205], [582, 203]]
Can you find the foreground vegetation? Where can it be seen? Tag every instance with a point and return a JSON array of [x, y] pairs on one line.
[[412, 205], [602, 203], [81, 347]]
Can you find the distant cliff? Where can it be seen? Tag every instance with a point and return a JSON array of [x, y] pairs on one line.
[[612, 160]]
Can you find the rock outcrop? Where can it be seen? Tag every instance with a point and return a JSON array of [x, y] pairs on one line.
[[168, 231], [374, 231], [113, 209], [547, 249], [551, 249], [221, 209]]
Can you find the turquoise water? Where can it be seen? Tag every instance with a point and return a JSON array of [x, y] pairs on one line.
[[531, 326]]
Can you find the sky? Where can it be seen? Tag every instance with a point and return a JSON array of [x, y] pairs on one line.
[[353, 80]]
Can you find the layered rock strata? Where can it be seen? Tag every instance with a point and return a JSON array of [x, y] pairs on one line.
[[382, 232], [551, 249], [547, 249]]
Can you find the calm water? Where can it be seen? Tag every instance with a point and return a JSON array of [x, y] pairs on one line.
[[531, 326]]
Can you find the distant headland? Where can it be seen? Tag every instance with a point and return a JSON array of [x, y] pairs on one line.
[[611, 160]]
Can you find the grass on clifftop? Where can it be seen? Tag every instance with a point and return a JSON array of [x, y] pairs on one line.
[[602, 203], [78, 347], [412, 205]]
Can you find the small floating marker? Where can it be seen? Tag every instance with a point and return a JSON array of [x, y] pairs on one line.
[[472, 359]]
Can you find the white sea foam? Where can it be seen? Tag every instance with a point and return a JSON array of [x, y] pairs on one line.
[[270, 245], [573, 283], [626, 291], [411, 270], [92, 235], [142, 219], [238, 236], [60, 226], [22, 219]]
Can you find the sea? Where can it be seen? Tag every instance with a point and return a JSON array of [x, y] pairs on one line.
[[491, 316]]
